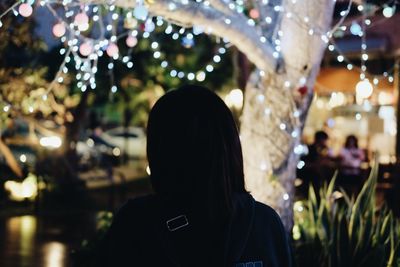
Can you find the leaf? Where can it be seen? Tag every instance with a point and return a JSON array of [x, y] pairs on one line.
[[342, 242], [312, 197], [386, 230], [394, 258], [323, 222], [392, 247], [364, 201], [331, 185], [348, 232]]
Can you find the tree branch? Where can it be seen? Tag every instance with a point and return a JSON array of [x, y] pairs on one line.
[[10, 159], [223, 6], [234, 27]]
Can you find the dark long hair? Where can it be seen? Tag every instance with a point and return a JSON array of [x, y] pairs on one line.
[[194, 150], [349, 139]]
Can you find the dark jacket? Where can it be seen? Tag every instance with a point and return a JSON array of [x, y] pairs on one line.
[[152, 231]]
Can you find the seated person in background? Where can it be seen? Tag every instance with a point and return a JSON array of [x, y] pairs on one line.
[[319, 162], [319, 150], [351, 158]]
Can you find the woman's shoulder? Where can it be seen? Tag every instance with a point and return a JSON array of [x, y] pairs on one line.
[[135, 207], [270, 236], [268, 216], [265, 210]]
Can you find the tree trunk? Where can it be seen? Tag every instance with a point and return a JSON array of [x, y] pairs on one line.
[[69, 155], [275, 109], [10, 159]]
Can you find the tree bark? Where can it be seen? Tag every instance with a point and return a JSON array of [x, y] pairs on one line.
[[275, 112]]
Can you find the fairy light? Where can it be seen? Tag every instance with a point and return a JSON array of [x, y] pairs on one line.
[[85, 51], [25, 10], [388, 11], [199, 75], [363, 34]]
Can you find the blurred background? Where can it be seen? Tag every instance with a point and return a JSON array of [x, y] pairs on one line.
[[70, 159]]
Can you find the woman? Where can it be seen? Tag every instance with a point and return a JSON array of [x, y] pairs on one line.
[[200, 214], [351, 158]]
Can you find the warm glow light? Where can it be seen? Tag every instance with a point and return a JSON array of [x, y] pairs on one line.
[[131, 41], [320, 103], [112, 50], [234, 99], [385, 98], [298, 206], [82, 21], [296, 233], [27, 229], [54, 254], [51, 141], [337, 99], [27, 189], [364, 89], [116, 151], [58, 30], [86, 49], [148, 170], [201, 76], [22, 158], [254, 13], [25, 10]]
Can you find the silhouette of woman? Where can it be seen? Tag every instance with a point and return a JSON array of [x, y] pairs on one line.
[[200, 213]]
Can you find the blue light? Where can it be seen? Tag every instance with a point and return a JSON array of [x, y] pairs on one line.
[[140, 12], [356, 29], [187, 42]]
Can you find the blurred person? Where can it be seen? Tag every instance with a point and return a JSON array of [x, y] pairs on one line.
[[201, 213], [319, 150], [351, 158], [320, 163]]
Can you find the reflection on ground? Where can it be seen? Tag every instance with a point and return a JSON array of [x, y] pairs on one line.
[[43, 240], [60, 224]]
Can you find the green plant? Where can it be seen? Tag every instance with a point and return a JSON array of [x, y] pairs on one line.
[[86, 255], [333, 229]]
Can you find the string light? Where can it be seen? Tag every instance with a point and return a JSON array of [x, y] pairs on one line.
[[199, 75], [25, 10], [140, 12], [85, 51], [388, 11]]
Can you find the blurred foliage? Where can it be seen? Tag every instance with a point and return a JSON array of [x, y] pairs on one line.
[[141, 86], [85, 256], [24, 75], [27, 67], [332, 229], [18, 45]]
